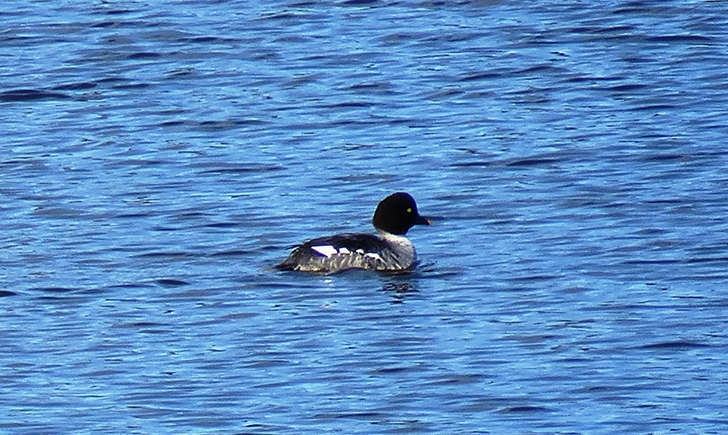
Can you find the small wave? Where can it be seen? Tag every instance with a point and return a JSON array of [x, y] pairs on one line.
[[674, 345], [31, 95]]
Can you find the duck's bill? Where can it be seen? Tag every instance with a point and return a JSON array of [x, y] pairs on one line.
[[421, 220]]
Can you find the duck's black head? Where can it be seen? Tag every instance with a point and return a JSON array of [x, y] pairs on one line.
[[397, 213]]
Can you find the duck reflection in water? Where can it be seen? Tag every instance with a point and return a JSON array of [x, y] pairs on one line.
[[399, 290]]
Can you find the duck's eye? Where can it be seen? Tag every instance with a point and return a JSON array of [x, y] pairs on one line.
[[409, 210]]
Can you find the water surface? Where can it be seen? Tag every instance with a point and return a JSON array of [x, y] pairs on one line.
[[159, 158]]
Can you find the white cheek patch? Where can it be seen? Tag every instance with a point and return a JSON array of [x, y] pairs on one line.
[[325, 250]]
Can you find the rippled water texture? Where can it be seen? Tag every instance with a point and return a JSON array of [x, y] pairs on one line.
[[158, 158]]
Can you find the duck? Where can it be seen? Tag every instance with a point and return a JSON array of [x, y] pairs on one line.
[[388, 251]]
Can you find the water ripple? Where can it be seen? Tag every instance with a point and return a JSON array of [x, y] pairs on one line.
[[158, 162]]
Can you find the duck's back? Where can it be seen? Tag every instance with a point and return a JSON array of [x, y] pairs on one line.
[[345, 251]]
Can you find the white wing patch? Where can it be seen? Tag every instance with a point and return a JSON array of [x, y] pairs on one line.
[[374, 256], [325, 250], [328, 251]]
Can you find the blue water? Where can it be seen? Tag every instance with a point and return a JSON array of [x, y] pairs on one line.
[[158, 158]]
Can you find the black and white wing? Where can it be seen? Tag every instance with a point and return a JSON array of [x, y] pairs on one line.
[[336, 253]]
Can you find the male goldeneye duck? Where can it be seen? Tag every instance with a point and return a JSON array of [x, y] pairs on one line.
[[390, 251]]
